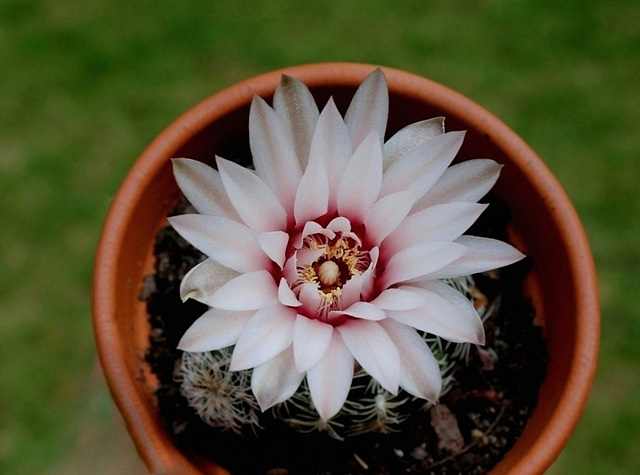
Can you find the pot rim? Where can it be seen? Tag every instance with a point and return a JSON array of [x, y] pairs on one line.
[[141, 421]]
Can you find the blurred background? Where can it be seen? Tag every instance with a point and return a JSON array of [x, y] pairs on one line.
[[85, 86]]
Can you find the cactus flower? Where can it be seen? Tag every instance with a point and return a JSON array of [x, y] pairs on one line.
[[328, 258]]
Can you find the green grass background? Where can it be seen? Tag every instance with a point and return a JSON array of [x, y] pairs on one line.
[[85, 86]]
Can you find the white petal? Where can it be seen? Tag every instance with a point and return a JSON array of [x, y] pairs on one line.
[[331, 145], [202, 186], [311, 338], [421, 168], [386, 214], [274, 156], [268, 332], [482, 254], [204, 280], [249, 291], [361, 181], [369, 109], [371, 346], [286, 295], [230, 243], [421, 259], [397, 299], [446, 316], [444, 222], [312, 198], [330, 379], [364, 310], [420, 373], [295, 104], [467, 181], [274, 245], [252, 198], [462, 303], [276, 380], [409, 138], [214, 330]]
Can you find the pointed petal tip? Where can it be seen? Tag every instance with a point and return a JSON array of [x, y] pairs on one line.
[[378, 74], [482, 339], [286, 79], [257, 99], [177, 162], [192, 294]]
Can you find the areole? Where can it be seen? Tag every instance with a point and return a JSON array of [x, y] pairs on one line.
[[562, 285]]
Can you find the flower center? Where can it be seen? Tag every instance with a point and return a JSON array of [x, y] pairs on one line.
[[341, 260]]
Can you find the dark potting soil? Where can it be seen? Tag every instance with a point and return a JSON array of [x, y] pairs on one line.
[[470, 431]]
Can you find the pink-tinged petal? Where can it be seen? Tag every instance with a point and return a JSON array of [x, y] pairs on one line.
[[467, 181], [310, 298], [202, 186], [290, 271], [409, 138], [311, 338], [249, 291], [297, 107], [252, 198], [420, 373], [230, 243], [204, 280], [310, 228], [371, 346], [308, 256], [351, 291], [418, 260], [286, 295], [274, 156], [214, 330], [276, 380], [445, 315], [369, 109], [312, 198], [340, 225], [331, 146], [361, 181], [314, 228], [330, 379], [274, 245], [482, 254], [444, 222], [364, 310], [268, 332], [343, 225], [421, 168], [386, 214], [367, 277], [397, 299]]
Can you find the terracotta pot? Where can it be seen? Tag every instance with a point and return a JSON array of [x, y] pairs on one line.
[[545, 226]]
